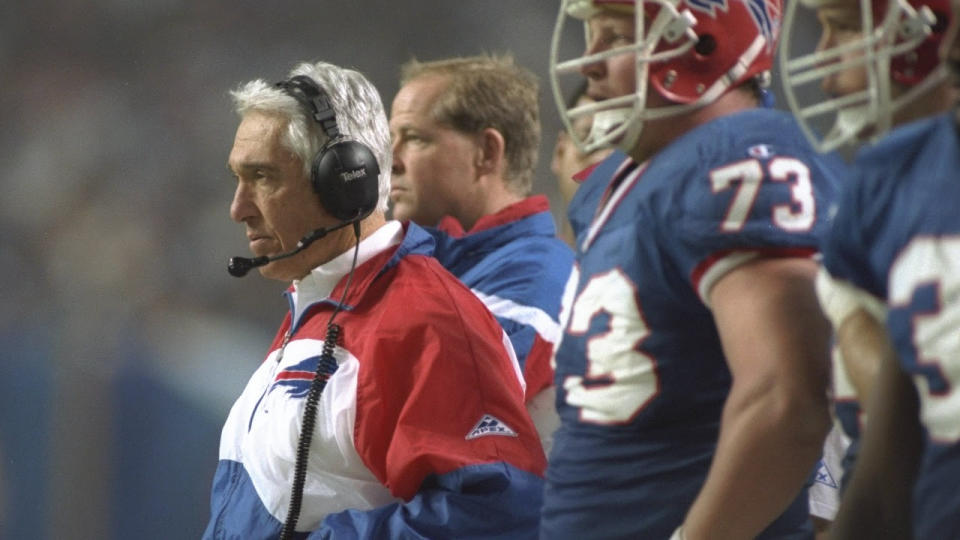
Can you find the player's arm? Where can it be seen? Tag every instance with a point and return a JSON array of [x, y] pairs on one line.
[[878, 500], [854, 315], [776, 416]]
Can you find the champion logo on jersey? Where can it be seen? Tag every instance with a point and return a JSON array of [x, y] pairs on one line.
[[760, 151], [823, 475], [490, 425]]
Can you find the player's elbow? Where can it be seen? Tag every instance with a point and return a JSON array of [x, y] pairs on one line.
[[798, 413], [803, 415]]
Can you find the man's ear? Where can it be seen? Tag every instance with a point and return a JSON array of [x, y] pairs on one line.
[[560, 149], [491, 157]]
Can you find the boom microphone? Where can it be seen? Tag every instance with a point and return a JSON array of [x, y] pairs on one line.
[[240, 266]]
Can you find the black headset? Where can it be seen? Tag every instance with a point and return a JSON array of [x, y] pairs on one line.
[[344, 173]]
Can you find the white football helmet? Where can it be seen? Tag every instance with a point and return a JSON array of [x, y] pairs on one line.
[[690, 51], [899, 41]]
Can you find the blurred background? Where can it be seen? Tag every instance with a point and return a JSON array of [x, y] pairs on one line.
[[124, 340]]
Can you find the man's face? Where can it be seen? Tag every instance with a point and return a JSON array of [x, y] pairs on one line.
[[839, 25], [614, 76], [434, 166], [274, 198], [617, 76]]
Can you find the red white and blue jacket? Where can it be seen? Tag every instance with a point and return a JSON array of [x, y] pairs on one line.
[[421, 431], [514, 261]]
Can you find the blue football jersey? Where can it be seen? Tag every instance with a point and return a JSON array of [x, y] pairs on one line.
[[897, 236], [640, 371], [584, 202]]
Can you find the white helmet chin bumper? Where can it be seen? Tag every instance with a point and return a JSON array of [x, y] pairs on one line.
[[611, 125], [849, 124]]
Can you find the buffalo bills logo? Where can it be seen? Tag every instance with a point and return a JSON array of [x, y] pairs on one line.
[[295, 379], [709, 7], [765, 15], [767, 18]]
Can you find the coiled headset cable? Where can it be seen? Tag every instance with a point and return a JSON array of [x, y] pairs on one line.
[[325, 369]]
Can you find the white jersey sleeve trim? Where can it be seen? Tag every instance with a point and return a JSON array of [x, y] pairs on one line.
[[839, 299], [720, 268]]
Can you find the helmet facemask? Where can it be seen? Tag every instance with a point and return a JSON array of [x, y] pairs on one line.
[[690, 52], [618, 121], [887, 43]]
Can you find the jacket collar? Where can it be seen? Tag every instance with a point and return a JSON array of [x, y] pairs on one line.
[[377, 254], [514, 212], [527, 218]]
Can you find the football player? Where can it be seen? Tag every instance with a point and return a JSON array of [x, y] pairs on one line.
[[693, 368], [876, 65], [892, 258]]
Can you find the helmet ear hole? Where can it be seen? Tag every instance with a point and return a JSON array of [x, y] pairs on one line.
[[943, 21], [706, 44]]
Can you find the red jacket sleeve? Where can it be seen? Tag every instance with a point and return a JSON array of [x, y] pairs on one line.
[[437, 390]]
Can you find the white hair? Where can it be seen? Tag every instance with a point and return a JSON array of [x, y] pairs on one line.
[[357, 104]]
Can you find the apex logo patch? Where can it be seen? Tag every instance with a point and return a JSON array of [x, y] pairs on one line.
[[490, 425], [824, 476]]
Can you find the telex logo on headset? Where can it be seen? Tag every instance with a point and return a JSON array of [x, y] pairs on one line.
[[353, 175]]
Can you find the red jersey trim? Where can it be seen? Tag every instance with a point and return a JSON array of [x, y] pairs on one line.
[[711, 262]]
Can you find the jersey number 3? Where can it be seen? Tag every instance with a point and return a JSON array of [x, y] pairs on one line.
[[619, 380], [926, 262]]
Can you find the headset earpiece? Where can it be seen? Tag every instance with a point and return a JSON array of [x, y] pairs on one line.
[[345, 180], [344, 173]]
